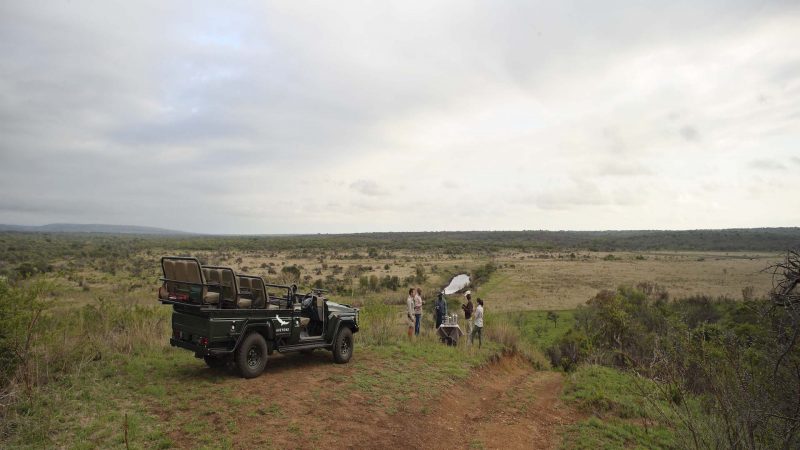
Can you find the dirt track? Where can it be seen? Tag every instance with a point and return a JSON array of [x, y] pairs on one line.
[[506, 404]]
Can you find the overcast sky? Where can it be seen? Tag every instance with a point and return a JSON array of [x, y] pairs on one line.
[[400, 116]]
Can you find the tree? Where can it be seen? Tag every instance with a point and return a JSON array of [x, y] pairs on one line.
[[290, 274], [553, 316]]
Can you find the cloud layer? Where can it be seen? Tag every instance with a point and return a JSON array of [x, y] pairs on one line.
[[355, 116]]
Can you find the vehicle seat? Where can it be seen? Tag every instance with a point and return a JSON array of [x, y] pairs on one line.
[[193, 274], [185, 275], [251, 292], [320, 308], [304, 321], [169, 273]]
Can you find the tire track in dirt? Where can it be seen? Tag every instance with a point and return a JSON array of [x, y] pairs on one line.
[[504, 404]]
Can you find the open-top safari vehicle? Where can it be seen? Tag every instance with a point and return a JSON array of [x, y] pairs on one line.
[[225, 317]]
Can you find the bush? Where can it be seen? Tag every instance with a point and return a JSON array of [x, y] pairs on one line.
[[290, 274], [569, 350], [481, 274]]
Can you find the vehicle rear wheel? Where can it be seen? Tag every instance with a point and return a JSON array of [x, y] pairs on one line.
[[343, 346], [251, 356], [214, 362]]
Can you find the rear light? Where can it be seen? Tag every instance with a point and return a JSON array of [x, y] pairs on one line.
[[177, 334], [203, 341], [179, 297]]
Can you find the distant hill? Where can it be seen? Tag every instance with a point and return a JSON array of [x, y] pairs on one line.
[[90, 228]]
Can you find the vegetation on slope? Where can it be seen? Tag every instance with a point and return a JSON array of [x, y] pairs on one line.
[[724, 372]]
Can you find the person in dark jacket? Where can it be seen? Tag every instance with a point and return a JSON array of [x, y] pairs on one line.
[[467, 307], [440, 309]]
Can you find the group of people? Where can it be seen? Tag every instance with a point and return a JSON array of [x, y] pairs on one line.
[[473, 315]]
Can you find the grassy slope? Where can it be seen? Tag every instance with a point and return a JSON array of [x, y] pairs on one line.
[[167, 394], [616, 411], [618, 414]]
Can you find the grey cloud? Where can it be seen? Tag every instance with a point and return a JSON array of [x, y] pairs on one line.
[[766, 164], [369, 188], [690, 133], [116, 112], [449, 184], [622, 168]]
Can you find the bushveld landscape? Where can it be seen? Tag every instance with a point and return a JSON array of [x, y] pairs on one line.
[[616, 182], [646, 340]]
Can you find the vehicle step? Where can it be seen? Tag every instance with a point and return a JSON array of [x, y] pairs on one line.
[[304, 346]]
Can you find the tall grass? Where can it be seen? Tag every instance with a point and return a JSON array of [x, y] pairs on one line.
[[379, 323], [40, 346], [499, 328]]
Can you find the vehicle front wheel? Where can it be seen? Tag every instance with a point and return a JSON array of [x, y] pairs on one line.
[[343, 346], [251, 356]]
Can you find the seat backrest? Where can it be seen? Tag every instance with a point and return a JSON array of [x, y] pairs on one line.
[[191, 271], [212, 276], [225, 278], [183, 274], [179, 269], [256, 287], [229, 287], [169, 268], [321, 308]]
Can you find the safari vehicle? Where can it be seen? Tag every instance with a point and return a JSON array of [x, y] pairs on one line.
[[226, 317]]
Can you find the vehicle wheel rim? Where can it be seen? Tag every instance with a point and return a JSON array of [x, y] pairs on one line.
[[345, 346], [253, 357]]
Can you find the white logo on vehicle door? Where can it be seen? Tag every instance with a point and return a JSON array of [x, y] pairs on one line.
[[280, 321]]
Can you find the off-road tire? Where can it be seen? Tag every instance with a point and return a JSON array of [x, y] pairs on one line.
[[251, 356], [343, 346], [214, 362]]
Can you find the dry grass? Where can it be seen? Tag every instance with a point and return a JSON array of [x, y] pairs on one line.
[[557, 284], [524, 281]]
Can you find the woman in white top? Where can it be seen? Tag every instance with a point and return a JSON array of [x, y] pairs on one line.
[[478, 328]]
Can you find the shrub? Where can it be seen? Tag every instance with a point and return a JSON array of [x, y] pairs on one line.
[[569, 350]]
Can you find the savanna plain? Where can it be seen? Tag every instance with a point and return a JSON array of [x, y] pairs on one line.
[[590, 341]]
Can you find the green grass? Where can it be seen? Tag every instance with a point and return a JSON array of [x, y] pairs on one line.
[[405, 363], [593, 433], [536, 329], [88, 409], [620, 415]]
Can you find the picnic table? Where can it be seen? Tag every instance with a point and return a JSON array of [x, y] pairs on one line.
[[449, 333]]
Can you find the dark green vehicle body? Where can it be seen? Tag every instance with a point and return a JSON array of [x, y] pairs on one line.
[[210, 331], [224, 317]]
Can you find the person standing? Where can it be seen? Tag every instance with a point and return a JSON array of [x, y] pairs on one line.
[[410, 312], [478, 329], [440, 309], [467, 307], [417, 310]]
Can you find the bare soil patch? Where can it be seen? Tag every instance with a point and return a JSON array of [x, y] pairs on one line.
[[298, 403]]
